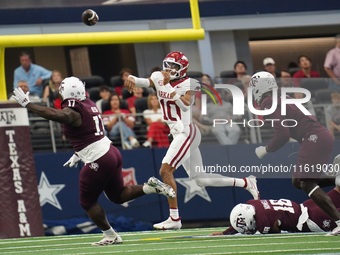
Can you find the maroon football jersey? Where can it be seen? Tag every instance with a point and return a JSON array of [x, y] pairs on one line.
[[319, 216], [91, 129], [306, 124], [269, 211]]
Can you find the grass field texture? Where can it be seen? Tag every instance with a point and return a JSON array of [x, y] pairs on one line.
[[185, 241]]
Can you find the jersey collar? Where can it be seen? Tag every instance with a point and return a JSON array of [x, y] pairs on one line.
[[178, 82]]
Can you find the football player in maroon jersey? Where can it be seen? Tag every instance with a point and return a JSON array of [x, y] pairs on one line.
[[102, 170], [272, 216], [316, 143]]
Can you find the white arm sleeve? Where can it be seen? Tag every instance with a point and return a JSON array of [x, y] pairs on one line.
[[141, 82], [181, 105]]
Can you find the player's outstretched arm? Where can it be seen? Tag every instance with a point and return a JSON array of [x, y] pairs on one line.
[[65, 116]]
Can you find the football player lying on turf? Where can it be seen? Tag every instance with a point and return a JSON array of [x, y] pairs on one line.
[[83, 126], [272, 216]]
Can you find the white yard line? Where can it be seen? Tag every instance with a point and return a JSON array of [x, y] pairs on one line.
[[156, 249]]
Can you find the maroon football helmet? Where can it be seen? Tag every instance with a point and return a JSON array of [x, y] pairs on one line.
[[176, 62]]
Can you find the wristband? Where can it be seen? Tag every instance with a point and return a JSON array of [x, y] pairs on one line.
[[181, 105], [176, 97]]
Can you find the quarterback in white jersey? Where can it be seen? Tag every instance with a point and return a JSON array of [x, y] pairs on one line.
[[176, 94]]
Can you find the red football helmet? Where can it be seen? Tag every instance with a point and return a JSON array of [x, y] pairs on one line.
[[176, 62]]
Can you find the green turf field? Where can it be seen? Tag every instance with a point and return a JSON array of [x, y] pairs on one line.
[[185, 241]]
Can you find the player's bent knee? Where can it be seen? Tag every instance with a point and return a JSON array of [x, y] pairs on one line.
[[165, 170], [116, 199], [86, 205]]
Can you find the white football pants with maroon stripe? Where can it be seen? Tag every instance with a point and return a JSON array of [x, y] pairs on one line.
[[184, 151]]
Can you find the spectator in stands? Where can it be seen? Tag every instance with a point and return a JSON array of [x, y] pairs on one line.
[[24, 86], [104, 93], [113, 124], [269, 66], [157, 130], [333, 113], [286, 79], [306, 72], [309, 105], [137, 93], [124, 74], [240, 69], [32, 73], [245, 83], [226, 134], [332, 64], [51, 91]]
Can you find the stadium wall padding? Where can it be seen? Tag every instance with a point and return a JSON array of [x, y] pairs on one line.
[[195, 203]]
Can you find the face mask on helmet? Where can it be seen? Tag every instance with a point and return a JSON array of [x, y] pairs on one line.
[[242, 219], [262, 82], [176, 64], [72, 87]]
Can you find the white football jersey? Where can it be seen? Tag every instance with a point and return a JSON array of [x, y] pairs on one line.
[[169, 108]]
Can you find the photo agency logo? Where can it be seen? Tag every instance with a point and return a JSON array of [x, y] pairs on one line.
[[253, 103], [204, 101]]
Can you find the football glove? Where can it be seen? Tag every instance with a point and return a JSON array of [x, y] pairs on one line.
[[261, 151], [21, 97], [73, 161]]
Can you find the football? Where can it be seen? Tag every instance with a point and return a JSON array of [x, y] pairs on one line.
[[89, 17]]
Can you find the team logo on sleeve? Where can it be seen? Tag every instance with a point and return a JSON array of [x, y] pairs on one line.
[[326, 223], [94, 166]]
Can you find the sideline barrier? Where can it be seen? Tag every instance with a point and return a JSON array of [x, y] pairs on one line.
[[19, 199], [195, 203]]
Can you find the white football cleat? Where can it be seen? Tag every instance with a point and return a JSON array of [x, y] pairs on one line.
[[335, 232], [107, 240], [168, 224], [252, 187], [161, 188]]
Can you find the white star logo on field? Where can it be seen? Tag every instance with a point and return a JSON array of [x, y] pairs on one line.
[[192, 189], [48, 192]]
